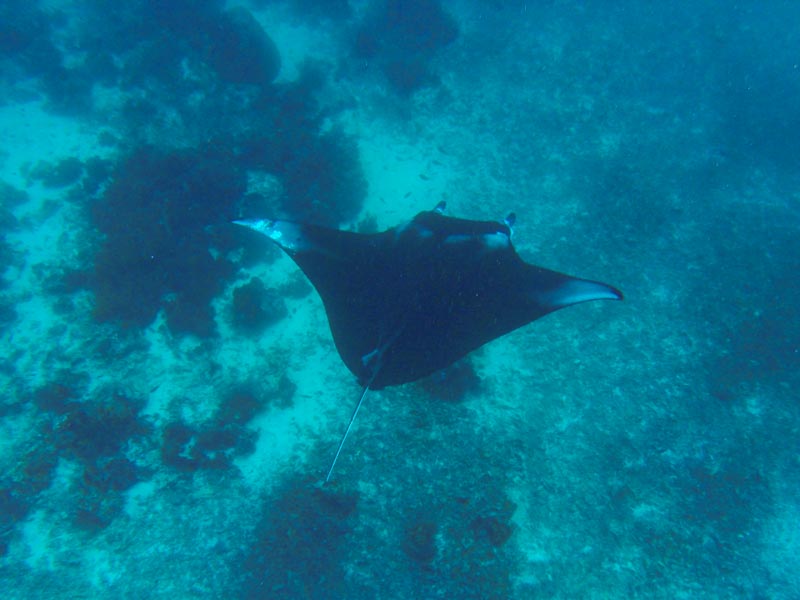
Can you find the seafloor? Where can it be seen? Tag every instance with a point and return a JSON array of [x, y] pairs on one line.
[[171, 393]]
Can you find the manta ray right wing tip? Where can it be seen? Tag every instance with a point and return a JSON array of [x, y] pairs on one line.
[[575, 291]]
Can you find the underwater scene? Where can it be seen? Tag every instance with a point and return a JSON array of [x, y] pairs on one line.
[[175, 386]]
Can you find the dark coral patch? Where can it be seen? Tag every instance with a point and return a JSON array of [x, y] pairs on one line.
[[188, 449], [408, 75], [284, 393], [114, 474], [454, 383], [155, 216], [95, 509], [419, 541], [8, 313], [417, 27], [402, 36], [240, 50], [495, 530], [324, 181], [255, 307], [11, 197], [13, 508], [176, 447], [37, 470], [184, 315], [724, 497], [27, 45], [100, 428], [57, 175], [326, 9], [239, 407], [97, 173], [231, 42], [55, 397], [299, 544]]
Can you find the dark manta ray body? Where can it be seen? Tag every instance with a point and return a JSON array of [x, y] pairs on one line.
[[412, 300]]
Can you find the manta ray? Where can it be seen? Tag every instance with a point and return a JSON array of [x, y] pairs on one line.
[[412, 300]]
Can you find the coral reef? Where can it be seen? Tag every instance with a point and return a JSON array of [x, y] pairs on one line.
[[7, 311], [239, 407], [100, 428], [93, 510], [98, 171], [154, 216], [230, 41], [27, 35], [114, 474], [12, 510], [95, 433], [723, 498], [37, 470], [188, 449], [164, 212], [419, 541], [402, 36], [454, 383], [239, 50], [55, 397], [495, 530], [11, 197], [61, 174], [324, 180], [284, 392], [255, 307], [651, 454], [299, 543], [320, 172], [316, 10]]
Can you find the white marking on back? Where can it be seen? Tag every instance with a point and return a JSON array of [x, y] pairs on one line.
[[496, 241]]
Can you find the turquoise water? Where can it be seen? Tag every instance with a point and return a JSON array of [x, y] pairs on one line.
[[172, 394]]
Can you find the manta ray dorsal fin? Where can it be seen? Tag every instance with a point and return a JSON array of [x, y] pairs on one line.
[[347, 431]]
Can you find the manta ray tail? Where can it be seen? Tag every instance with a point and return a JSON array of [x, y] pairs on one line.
[[347, 431]]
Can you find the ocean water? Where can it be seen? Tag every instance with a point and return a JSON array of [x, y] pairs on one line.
[[172, 396]]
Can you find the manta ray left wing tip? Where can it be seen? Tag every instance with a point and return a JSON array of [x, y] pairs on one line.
[[257, 224], [290, 236]]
